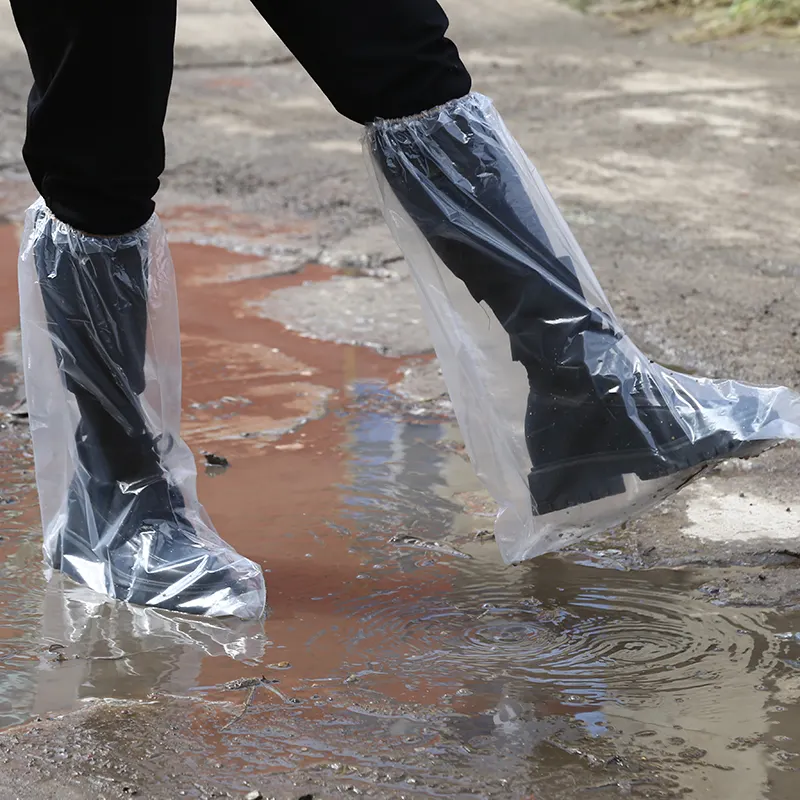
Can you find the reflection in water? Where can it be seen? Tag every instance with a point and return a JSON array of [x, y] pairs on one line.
[[99, 649], [85, 647], [452, 674]]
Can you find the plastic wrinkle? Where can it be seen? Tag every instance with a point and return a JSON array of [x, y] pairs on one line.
[[569, 425], [117, 484]]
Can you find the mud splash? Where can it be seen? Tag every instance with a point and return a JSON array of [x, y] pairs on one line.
[[384, 667]]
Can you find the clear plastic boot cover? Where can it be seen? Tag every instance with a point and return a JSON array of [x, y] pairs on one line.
[[102, 363], [570, 426]]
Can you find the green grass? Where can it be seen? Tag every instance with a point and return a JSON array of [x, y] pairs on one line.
[[783, 13], [724, 17]]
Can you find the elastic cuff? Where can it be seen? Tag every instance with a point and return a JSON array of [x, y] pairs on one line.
[[473, 99], [64, 227], [100, 213]]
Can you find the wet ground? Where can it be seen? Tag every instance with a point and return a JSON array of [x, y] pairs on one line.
[[401, 658]]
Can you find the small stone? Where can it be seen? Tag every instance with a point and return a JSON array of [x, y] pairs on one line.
[[692, 754], [255, 795], [214, 460]]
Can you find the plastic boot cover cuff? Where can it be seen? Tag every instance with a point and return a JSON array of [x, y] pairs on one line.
[[572, 429], [102, 363]]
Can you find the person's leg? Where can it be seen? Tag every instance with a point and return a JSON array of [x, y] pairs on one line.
[[372, 59], [102, 74], [94, 261], [597, 409]]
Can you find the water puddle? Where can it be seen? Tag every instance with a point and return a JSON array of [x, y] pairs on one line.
[[400, 655]]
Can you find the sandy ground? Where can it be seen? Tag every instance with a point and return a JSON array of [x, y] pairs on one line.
[[677, 167]]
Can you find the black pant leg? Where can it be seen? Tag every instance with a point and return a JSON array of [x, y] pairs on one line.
[[102, 74], [372, 58]]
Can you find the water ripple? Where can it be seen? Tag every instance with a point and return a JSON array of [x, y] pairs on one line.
[[619, 637]]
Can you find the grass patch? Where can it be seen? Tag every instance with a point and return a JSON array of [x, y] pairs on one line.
[[749, 14], [716, 18]]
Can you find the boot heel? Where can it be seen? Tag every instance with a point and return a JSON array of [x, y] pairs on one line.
[[554, 488]]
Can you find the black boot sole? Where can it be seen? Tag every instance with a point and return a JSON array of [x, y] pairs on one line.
[[567, 484]]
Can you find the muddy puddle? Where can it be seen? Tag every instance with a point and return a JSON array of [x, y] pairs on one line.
[[400, 657]]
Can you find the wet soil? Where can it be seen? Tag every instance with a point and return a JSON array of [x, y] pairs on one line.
[[400, 657]]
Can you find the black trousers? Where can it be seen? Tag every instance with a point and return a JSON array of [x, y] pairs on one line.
[[102, 73]]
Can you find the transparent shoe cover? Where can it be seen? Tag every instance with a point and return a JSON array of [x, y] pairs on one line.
[[569, 425], [102, 365]]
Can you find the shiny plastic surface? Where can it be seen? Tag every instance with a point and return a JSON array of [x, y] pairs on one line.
[[570, 426], [102, 364]]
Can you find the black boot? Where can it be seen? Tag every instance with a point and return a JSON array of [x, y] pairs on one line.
[[598, 409], [124, 528]]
